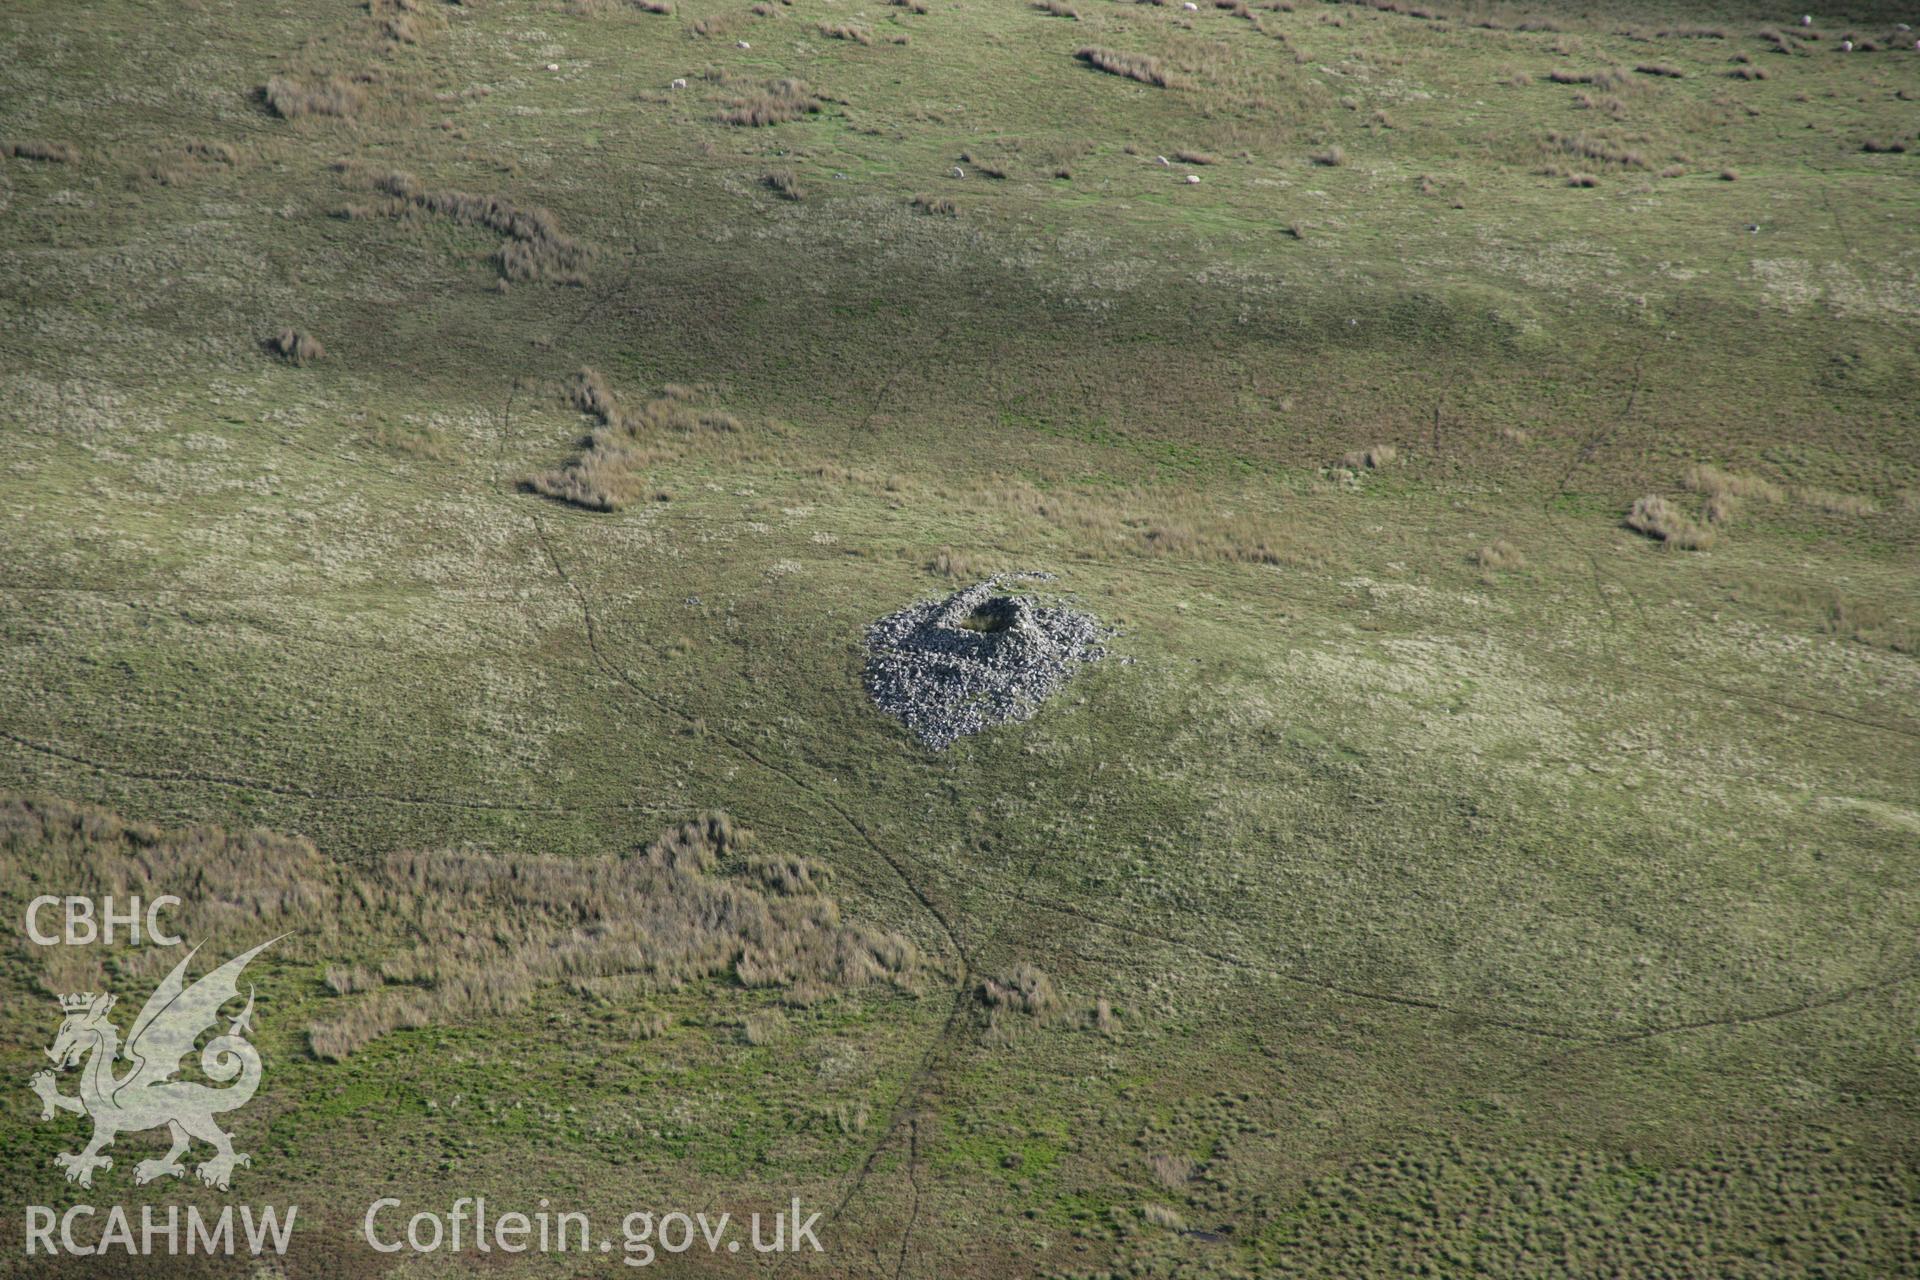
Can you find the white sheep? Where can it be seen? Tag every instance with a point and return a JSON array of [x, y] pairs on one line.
[[1846, 46], [1191, 7], [1193, 179], [679, 82], [741, 44], [553, 66]]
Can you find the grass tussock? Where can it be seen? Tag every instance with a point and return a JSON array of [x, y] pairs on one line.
[[1142, 67], [535, 250], [948, 563], [291, 98], [1172, 1171], [1023, 994], [1665, 69], [1499, 556], [608, 472], [937, 206], [1196, 157], [249, 883], [432, 938], [1665, 522], [1837, 504], [777, 102], [1714, 483], [1057, 9], [404, 24], [1329, 158], [985, 166], [784, 184], [846, 31], [1606, 147], [295, 347], [765, 1026], [47, 152], [224, 153], [1607, 78], [1374, 459]]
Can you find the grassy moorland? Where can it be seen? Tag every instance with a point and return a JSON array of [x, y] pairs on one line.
[[441, 456]]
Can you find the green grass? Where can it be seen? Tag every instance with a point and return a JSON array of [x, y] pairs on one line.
[[1536, 922]]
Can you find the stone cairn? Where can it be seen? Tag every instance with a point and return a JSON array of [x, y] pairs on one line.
[[980, 657]]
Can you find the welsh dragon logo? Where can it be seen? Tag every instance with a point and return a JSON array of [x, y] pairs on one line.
[[147, 1095]]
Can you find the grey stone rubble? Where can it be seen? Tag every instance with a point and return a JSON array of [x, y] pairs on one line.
[[943, 679]]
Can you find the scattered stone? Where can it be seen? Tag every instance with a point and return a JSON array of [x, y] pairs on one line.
[[980, 657]]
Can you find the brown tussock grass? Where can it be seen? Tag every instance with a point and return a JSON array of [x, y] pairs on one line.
[[984, 166], [765, 1026], [1837, 504], [783, 183], [777, 102], [938, 206], [1499, 555], [1608, 78], [453, 936], [1171, 1171], [1664, 522], [1142, 67], [1024, 992], [48, 152], [292, 98], [608, 472], [535, 249], [948, 563], [1715, 483], [1605, 147], [1373, 459], [846, 31], [295, 347]]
